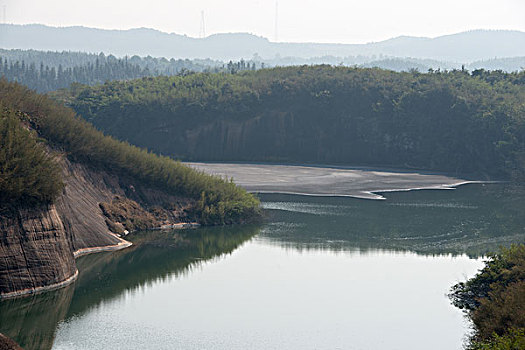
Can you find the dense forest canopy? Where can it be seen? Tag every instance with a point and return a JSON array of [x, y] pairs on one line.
[[219, 201], [453, 121], [46, 71]]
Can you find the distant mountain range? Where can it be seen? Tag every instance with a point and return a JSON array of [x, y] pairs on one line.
[[465, 47]]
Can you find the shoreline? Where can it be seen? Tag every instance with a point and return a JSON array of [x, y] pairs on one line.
[[376, 194], [437, 187], [86, 251], [367, 168], [76, 254], [107, 248], [41, 289], [353, 182]]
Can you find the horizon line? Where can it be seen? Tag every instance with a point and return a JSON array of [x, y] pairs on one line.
[[259, 36]]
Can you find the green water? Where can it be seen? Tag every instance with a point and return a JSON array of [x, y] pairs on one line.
[[320, 273], [472, 220]]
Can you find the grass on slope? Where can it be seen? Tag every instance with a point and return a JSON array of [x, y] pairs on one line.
[[218, 201]]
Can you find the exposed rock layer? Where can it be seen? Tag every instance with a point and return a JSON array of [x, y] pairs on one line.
[[35, 250], [38, 246], [8, 344]]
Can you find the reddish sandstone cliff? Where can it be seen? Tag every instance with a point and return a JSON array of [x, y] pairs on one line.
[[38, 245]]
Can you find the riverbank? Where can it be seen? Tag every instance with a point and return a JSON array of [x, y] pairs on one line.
[[78, 253], [363, 183], [91, 250], [8, 343]]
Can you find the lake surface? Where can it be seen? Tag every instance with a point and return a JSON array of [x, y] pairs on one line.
[[320, 273]]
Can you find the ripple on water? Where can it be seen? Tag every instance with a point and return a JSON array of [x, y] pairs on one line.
[[308, 208], [450, 205]]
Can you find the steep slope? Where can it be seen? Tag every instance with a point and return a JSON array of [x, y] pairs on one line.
[[68, 190], [35, 252], [39, 244]]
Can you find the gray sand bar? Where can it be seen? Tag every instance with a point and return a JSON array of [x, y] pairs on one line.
[[326, 181]]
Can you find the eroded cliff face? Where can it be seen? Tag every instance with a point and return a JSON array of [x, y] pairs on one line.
[[35, 251], [8, 344], [38, 246], [266, 136]]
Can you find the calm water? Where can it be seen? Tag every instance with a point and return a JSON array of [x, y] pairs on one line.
[[322, 273]]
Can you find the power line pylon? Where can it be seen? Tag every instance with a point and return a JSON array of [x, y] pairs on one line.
[[202, 30]]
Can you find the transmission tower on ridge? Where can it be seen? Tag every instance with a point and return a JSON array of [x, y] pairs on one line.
[[202, 30]]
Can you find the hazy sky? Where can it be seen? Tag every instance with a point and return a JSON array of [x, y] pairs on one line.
[[298, 20]]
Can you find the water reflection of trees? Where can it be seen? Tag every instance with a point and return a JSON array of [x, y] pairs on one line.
[[472, 219], [32, 321], [155, 256]]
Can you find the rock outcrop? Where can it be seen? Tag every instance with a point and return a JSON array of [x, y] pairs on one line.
[[8, 344], [38, 246], [35, 251]]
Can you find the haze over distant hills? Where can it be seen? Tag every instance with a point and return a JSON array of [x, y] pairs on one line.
[[465, 47]]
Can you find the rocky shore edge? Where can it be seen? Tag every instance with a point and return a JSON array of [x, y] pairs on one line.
[[81, 252], [91, 250], [28, 291], [7, 343]]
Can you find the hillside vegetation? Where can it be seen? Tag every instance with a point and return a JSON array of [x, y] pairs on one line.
[[218, 201], [458, 122], [27, 173], [46, 71], [494, 300]]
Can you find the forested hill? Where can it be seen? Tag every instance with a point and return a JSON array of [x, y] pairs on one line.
[[35, 130], [46, 71], [458, 122]]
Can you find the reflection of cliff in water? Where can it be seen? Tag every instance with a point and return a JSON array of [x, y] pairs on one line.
[[155, 255], [31, 321], [473, 219]]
